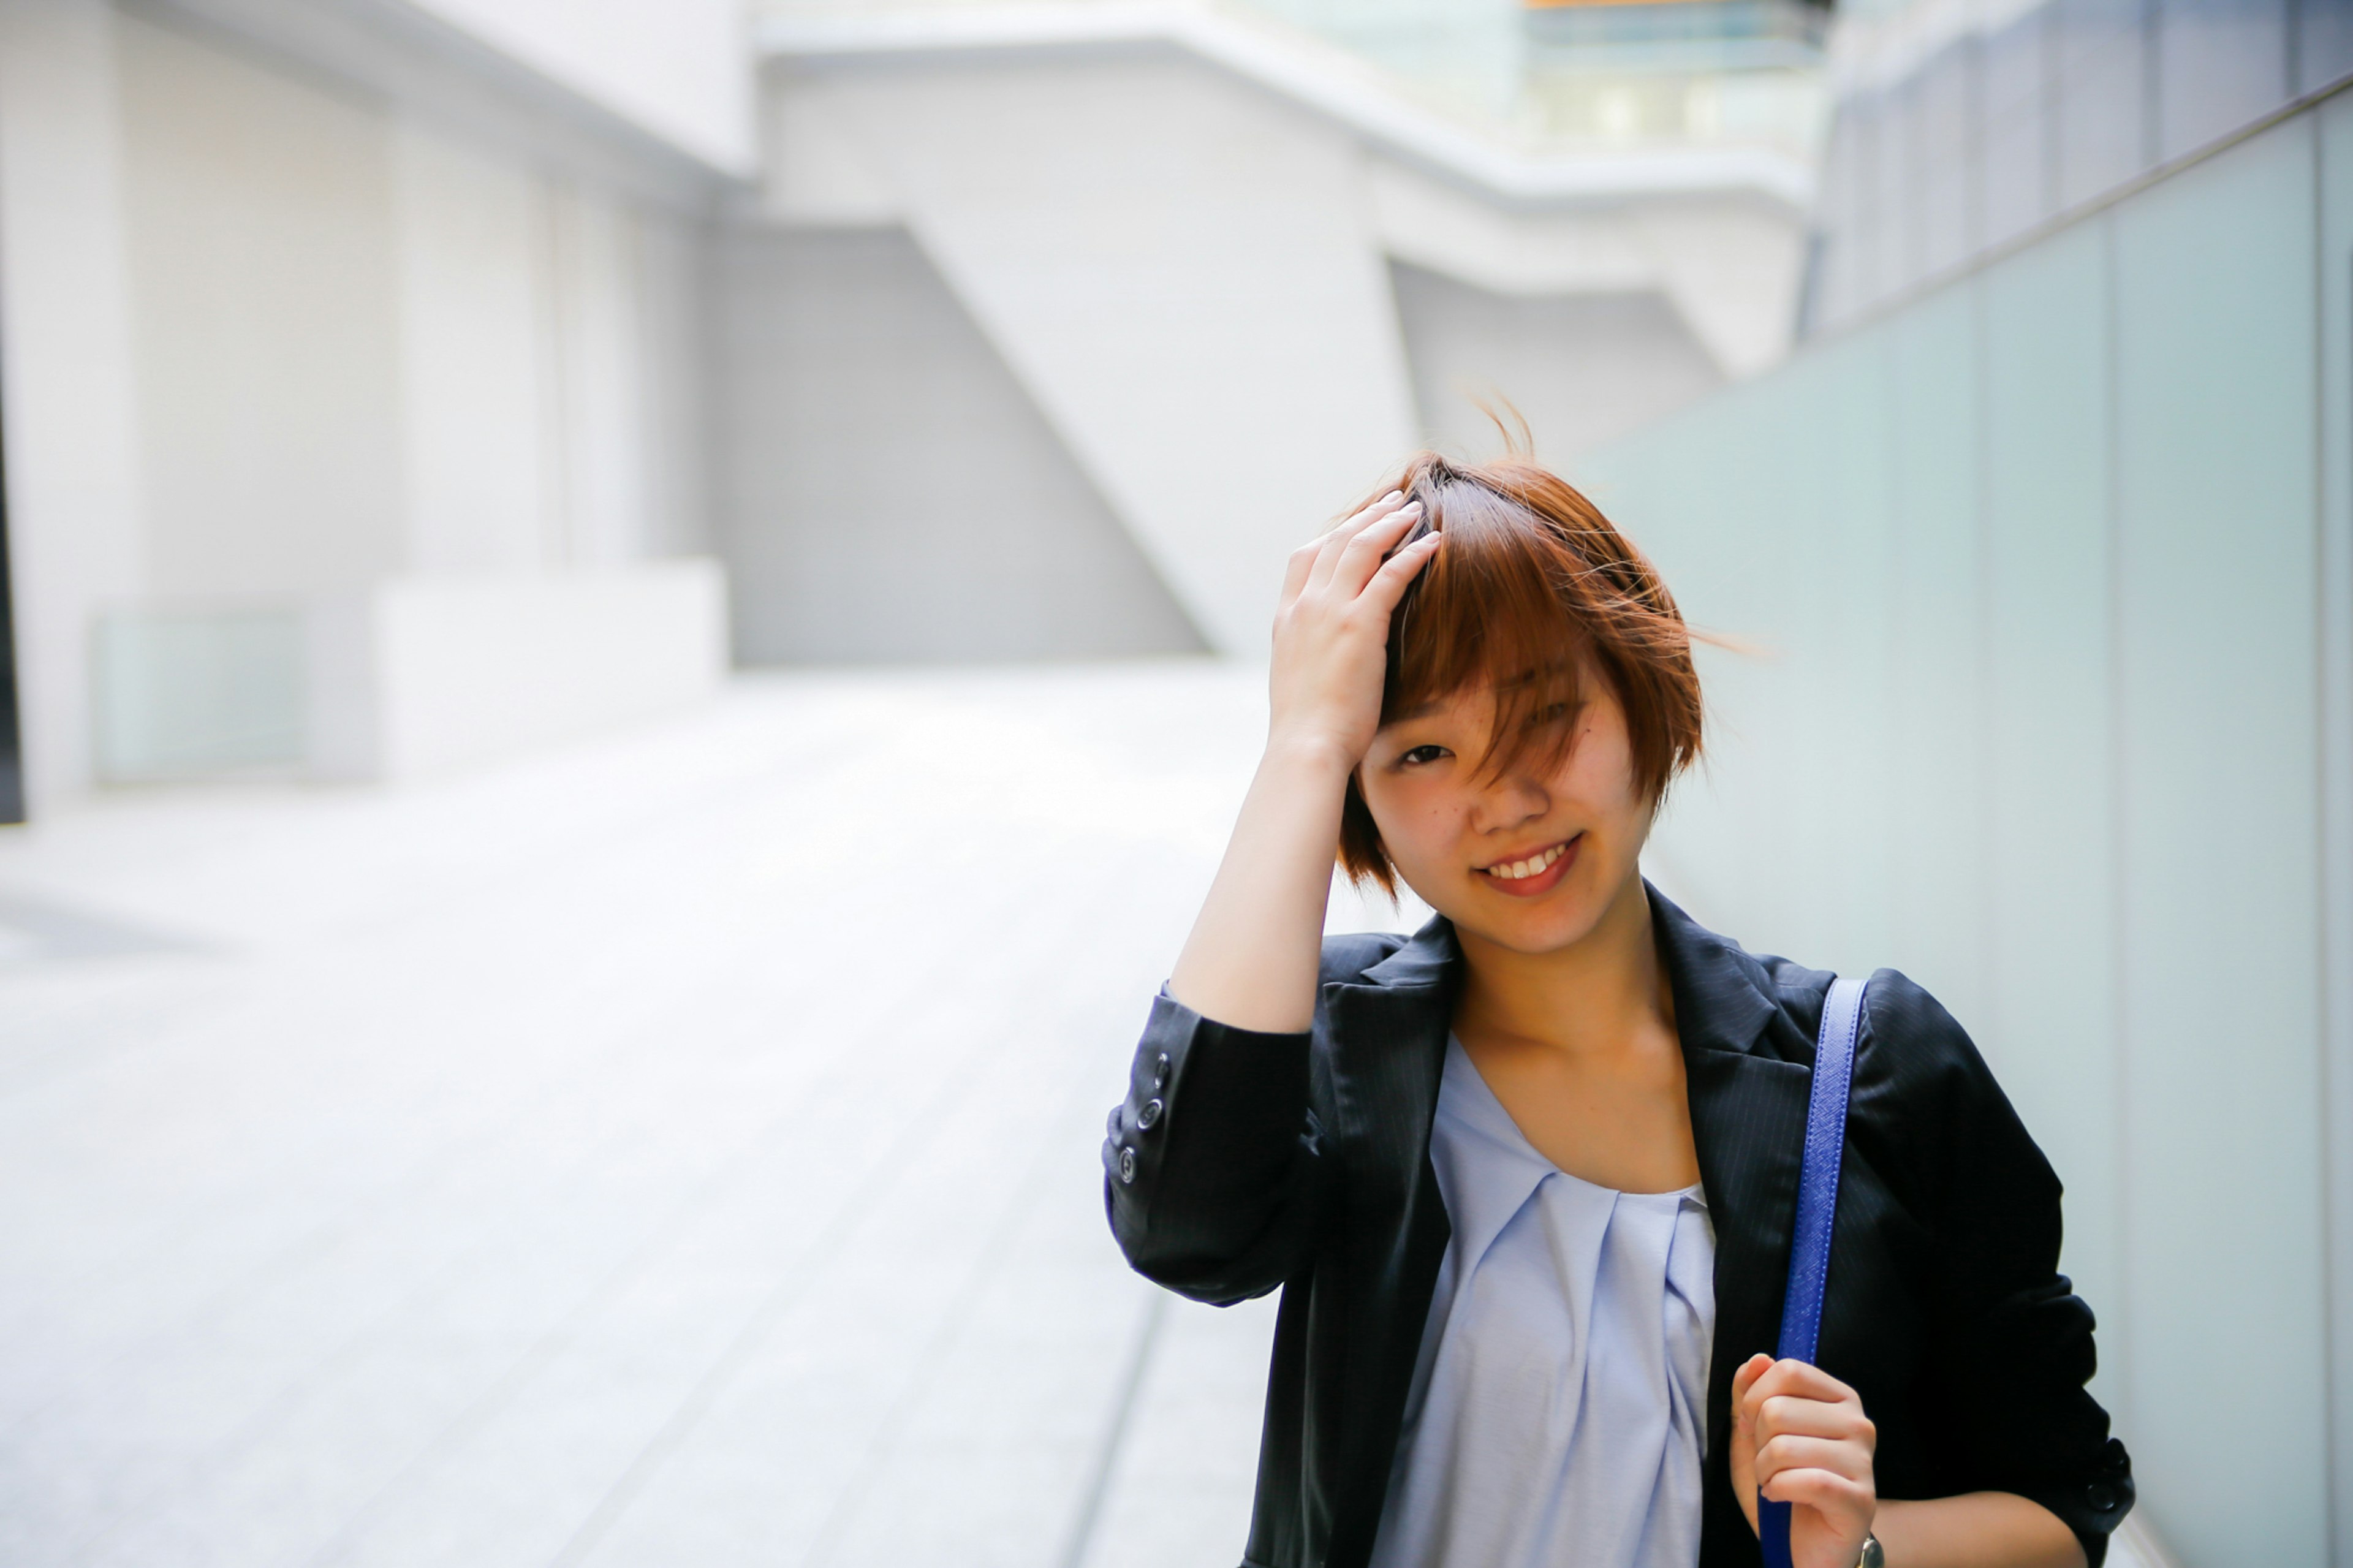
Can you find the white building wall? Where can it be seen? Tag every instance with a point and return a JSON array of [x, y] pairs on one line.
[[553, 342], [681, 69], [263, 273], [553, 368], [474, 407], [1579, 369], [597, 364], [1729, 264], [674, 337], [1188, 272], [1180, 270], [275, 349], [457, 670], [889, 489], [67, 393], [365, 342]]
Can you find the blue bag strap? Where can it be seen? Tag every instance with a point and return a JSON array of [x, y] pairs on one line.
[[1809, 1238]]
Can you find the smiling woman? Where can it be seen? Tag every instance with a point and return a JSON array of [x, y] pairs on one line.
[[1526, 1181], [1534, 596]]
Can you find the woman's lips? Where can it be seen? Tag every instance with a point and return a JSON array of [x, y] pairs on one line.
[[1540, 878]]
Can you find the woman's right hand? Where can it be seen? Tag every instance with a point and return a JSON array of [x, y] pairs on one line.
[[1332, 630], [1251, 959]]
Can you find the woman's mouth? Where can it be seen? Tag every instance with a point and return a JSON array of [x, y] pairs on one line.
[[1535, 873]]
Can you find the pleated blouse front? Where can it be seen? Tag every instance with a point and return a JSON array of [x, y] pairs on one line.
[[1556, 1411]]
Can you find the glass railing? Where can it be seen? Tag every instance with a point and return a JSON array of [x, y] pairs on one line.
[[1572, 77], [1553, 79]]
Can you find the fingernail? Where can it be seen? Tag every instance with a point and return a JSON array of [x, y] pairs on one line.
[[1392, 495]]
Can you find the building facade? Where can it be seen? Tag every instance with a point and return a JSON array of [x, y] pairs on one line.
[[1963, 125], [353, 377], [395, 383]]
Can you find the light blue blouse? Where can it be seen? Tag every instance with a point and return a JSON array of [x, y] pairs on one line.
[[1556, 1413]]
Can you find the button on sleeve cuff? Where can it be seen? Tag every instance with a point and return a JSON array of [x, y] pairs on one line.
[[1203, 1165]]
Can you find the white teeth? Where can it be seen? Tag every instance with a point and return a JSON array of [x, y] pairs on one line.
[[1529, 867]]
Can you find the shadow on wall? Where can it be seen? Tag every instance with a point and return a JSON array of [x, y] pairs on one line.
[[888, 490], [1582, 369]]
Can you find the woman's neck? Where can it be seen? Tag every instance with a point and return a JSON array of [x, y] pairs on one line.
[[1598, 997]]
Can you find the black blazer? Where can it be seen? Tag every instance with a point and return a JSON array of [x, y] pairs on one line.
[[1240, 1162]]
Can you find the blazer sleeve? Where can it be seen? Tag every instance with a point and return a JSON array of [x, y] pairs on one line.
[[2014, 1342], [1209, 1163]]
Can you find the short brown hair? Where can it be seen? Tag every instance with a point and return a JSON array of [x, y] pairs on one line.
[[1533, 588]]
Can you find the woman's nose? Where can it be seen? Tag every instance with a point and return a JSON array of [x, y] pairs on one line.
[[1509, 801]]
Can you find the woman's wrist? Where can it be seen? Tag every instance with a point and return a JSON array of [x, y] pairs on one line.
[[1251, 959], [1974, 1530], [1310, 755]]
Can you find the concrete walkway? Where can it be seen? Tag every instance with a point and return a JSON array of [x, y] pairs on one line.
[[676, 1153], [680, 1149]]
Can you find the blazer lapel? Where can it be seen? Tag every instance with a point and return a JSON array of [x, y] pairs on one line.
[[1387, 1052], [1748, 1120]]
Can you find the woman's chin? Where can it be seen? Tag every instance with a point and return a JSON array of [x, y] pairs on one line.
[[1560, 919]]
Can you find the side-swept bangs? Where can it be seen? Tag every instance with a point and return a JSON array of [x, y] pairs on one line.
[[1534, 593]]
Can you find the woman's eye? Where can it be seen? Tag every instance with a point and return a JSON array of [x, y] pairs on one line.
[[1419, 755]]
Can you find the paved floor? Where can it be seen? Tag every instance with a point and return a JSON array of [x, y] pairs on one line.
[[680, 1150]]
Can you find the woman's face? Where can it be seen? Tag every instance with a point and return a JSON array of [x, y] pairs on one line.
[[1528, 858]]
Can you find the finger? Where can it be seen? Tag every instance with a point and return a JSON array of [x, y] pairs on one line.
[[1361, 556], [1838, 1457], [1389, 584], [1327, 551], [1373, 511], [1744, 1380], [1327, 554], [1295, 570], [1799, 1379], [1785, 1413]]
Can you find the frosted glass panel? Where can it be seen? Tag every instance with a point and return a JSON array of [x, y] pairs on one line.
[[187, 693], [2050, 1020], [2335, 595], [1830, 675], [1933, 653], [2215, 455], [2029, 708]]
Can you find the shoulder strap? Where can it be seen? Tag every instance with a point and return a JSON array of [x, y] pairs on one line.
[[1818, 1176], [1818, 1188]]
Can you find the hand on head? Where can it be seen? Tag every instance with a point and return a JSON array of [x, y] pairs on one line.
[[1331, 632]]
